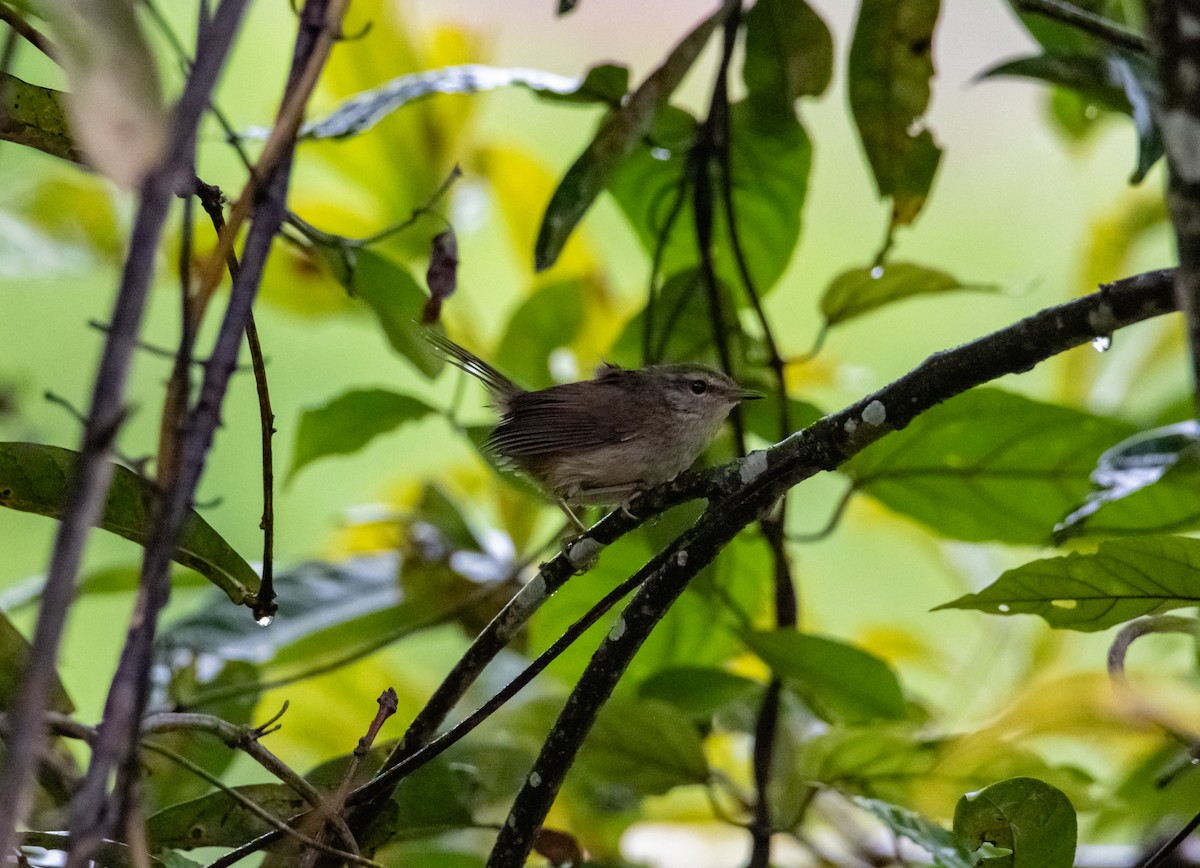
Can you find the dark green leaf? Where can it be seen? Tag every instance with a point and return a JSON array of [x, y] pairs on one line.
[[770, 157], [1060, 37], [218, 820], [789, 53], [33, 116], [362, 111], [1124, 579], [697, 691], [605, 83], [1116, 80], [14, 651], [645, 746], [619, 135], [349, 422], [1032, 819], [891, 64], [988, 465], [679, 324], [547, 320], [1147, 483], [762, 417], [164, 781], [862, 290], [398, 302], [920, 830], [838, 681], [36, 478]]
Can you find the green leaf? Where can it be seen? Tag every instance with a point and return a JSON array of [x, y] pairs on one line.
[[34, 116], [1032, 819], [920, 830], [349, 422], [1124, 579], [619, 135], [646, 746], [770, 158], [987, 465], [1116, 80], [762, 417], [862, 290], [548, 319], [164, 781], [14, 651], [1148, 484], [679, 324], [36, 478], [605, 83], [891, 64], [769, 163], [398, 302], [697, 691], [838, 681], [219, 820], [789, 53]]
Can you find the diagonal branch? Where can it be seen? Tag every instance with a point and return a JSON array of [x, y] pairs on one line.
[[95, 812], [93, 472], [766, 476]]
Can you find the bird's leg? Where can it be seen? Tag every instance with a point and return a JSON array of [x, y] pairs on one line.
[[571, 516]]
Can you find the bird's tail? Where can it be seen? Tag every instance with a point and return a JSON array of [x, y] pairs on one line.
[[500, 387]]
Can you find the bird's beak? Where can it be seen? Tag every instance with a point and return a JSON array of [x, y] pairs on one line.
[[748, 395]]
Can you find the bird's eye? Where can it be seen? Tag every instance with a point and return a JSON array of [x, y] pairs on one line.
[[699, 387]]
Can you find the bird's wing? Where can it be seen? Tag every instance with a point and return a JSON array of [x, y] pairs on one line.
[[566, 418]]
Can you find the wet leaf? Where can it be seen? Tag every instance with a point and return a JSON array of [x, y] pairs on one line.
[[862, 290], [442, 275], [988, 465], [36, 478], [1116, 80], [115, 104], [1029, 818], [891, 64], [398, 303], [1122, 580], [34, 116], [363, 110], [1146, 483], [349, 422], [919, 829], [838, 681], [619, 136]]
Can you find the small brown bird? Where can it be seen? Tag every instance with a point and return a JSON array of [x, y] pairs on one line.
[[604, 440]]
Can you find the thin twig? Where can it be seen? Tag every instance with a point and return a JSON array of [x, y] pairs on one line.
[[27, 31], [93, 470], [332, 810], [265, 608]]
